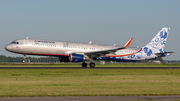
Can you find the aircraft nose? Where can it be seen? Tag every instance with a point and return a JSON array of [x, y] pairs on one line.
[[7, 47]]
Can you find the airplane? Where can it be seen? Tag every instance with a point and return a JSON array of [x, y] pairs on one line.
[[81, 52]]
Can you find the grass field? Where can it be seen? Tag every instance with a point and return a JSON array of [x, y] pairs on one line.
[[88, 82], [79, 65]]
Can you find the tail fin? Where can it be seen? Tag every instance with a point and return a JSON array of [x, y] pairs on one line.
[[157, 44]]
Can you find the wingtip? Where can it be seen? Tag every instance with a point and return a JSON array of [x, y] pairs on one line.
[[128, 43], [90, 42]]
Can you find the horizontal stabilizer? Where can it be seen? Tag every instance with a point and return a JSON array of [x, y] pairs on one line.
[[163, 53]]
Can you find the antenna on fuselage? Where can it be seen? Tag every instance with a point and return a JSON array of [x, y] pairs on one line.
[[114, 44]]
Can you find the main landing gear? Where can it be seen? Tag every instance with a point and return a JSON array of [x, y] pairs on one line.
[[84, 65], [92, 65]]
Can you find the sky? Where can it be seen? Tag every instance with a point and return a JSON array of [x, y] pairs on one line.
[[101, 21]]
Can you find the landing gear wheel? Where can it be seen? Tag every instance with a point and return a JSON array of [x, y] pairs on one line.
[[23, 61], [92, 64], [84, 65]]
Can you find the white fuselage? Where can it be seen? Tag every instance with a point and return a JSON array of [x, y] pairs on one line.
[[58, 48]]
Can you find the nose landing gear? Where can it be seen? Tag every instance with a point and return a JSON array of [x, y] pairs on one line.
[[24, 58]]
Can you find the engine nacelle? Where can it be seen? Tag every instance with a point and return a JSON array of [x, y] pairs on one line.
[[64, 59], [76, 57]]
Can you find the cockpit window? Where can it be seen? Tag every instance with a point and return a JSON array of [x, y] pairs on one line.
[[14, 42]]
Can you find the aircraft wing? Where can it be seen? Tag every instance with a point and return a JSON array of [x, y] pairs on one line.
[[104, 52]]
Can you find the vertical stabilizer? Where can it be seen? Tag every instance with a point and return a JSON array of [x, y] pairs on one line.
[[157, 44]]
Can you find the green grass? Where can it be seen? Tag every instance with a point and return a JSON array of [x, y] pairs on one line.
[[79, 65], [88, 82]]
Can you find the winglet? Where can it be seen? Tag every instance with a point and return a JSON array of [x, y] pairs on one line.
[[128, 43], [90, 42]]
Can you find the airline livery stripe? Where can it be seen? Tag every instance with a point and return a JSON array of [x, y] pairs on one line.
[[124, 55]]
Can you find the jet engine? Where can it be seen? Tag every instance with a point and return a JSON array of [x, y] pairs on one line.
[[77, 57]]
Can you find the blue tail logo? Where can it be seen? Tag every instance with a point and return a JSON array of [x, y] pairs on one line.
[[147, 52], [163, 36]]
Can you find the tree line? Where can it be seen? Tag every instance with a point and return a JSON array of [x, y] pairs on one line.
[[29, 59]]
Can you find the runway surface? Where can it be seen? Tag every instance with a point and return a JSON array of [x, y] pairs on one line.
[[95, 98], [90, 68]]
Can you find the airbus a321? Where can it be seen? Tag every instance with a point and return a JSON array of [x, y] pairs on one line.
[[80, 52]]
